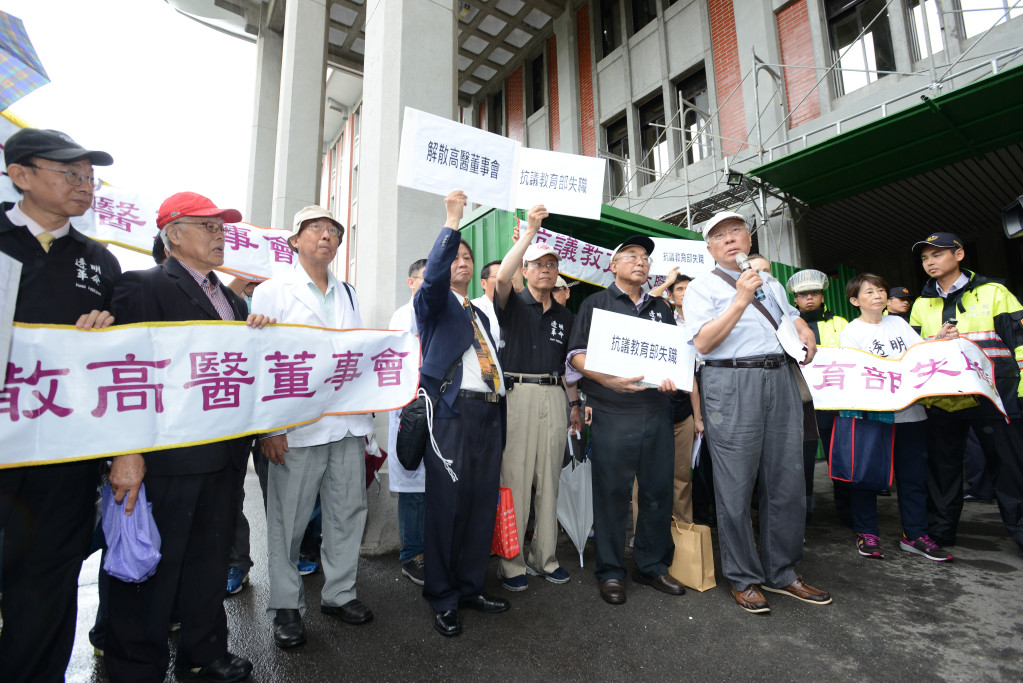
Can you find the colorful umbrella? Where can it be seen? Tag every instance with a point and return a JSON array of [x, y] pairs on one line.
[[21, 72]]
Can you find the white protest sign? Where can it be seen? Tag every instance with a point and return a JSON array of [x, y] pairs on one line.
[[850, 379], [625, 346], [74, 394], [689, 256], [568, 184], [438, 155], [10, 277]]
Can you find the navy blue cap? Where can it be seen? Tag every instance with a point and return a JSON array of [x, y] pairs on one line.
[[945, 240]]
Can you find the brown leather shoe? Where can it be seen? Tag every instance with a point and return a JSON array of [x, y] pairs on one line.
[[752, 600], [613, 591], [801, 591], [666, 583]]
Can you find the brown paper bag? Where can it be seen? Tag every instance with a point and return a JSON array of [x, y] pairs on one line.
[[694, 556]]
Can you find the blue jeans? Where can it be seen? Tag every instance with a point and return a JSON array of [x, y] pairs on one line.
[[411, 509], [910, 458]]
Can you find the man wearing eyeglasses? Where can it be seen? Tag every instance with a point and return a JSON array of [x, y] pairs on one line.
[[47, 512], [632, 438], [325, 457], [536, 333], [753, 416], [193, 490]]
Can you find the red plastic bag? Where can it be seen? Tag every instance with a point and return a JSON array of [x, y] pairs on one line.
[[506, 534]]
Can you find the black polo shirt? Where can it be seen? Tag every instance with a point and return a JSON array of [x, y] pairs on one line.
[[615, 300], [535, 341]]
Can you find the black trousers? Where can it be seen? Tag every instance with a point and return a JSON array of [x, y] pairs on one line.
[[195, 516], [946, 444], [47, 513], [459, 516], [627, 447]]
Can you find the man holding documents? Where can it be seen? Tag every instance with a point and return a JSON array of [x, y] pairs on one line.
[[631, 435], [753, 415]]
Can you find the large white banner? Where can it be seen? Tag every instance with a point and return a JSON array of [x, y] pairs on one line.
[[10, 277], [568, 184], [73, 395], [689, 256], [850, 379], [624, 346], [438, 155]]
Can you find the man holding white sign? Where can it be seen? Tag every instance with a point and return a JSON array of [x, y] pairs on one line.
[[325, 457], [631, 437], [753, 415]]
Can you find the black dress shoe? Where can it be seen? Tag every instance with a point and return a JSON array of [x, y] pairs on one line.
[[288, 628], [666, 583], [613, 591], [447, 622], [482, 602], [226, 669], [352, 612]]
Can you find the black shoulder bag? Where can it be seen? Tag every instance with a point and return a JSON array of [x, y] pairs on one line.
[[416, 426]]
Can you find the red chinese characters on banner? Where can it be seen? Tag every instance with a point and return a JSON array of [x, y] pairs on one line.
[[236, 237], [281, 249], [120, 215], [10, 397], [131, 384], [566, 247], [833, 375], [220, 376], [925, 371], [387, 365], [347, 369], [876, 379], [291, 377]]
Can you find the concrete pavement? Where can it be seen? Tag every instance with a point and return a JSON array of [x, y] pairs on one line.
[[902, 618]]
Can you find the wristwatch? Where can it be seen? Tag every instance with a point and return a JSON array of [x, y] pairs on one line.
[[575, 403]]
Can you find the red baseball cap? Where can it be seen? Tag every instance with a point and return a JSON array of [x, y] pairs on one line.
[[191, 204]]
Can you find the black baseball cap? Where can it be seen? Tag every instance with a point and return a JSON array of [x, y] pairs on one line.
[[944, 240], [49, 144], [899, 293], [638, 241]]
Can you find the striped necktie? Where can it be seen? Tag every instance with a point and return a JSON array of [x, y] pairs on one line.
[[487, 372], [45, 239]]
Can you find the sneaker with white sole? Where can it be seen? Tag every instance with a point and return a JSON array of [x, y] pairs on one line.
[[236, 580], [923, 545], [558, 576], [306, 566], [869, 545], [415, 570], [515, 584]]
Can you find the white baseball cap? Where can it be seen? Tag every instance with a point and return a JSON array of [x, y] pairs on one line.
[[539, 250], [722, 216], [311, 212]]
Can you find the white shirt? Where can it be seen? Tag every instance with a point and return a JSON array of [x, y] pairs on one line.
[[487, 306], [708, 296], [399, 479], [472, 374], [890, 338], [19, 217]]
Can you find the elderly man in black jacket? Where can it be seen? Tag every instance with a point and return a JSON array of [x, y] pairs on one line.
[[192, 489]]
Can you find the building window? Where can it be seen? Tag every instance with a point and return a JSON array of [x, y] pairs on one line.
[[610, 26], [654, 138], [495, 113], [536, 90], [619, 179], [925, 28], [694, 112], [863, 54], [978, 16], [643, 12]]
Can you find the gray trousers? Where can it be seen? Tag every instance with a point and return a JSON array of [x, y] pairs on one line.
[[754, 424], [337, 471]]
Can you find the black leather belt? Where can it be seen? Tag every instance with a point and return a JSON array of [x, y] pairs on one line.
[[775, 360], [485, 396], [546, 380]]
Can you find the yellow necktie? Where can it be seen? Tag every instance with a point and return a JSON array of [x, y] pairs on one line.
[[45, 239], [488, 372]]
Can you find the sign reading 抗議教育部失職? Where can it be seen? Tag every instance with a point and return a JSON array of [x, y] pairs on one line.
[[625, 346], [689, 256], [851, 379], [74, 394], [439, 155]]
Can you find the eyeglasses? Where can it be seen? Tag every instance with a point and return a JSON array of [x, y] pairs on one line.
[[211, 228], [550, 265], [634, 258], [73, 178], [730, 232], [318, 228]]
